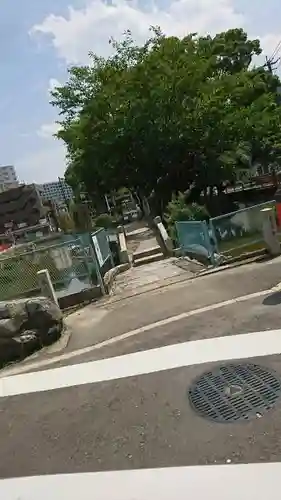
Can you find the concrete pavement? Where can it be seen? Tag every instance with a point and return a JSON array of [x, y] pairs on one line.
[[112, 317], [124, 404]]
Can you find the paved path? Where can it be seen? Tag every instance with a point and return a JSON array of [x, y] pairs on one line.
[[115, 421], [141, 238], [150, 277]]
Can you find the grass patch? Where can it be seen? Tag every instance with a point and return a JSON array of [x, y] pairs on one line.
[[245, 244], [239, 242]]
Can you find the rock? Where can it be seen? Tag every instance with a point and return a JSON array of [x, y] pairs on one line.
[[13, 315], [29, 341], [10, 350], [41, 308], [8, 328], [27, 325], [4, 311]]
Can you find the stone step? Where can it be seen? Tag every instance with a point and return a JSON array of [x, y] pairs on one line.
[[148, 259], [146, 253]]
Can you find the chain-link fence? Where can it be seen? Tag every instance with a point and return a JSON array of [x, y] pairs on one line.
[[71, 269], [75, 263]]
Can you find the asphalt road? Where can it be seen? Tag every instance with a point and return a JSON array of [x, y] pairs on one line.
[[125, 405], [114, 317]]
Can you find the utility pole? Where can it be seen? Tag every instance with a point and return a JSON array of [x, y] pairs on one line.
[[270, 64]]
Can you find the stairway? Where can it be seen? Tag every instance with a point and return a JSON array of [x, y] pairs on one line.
[[147, 256]]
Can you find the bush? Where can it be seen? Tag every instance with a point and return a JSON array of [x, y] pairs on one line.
[[178, 210], [105, 220]]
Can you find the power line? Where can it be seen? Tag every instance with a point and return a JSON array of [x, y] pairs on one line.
[[269, 64], [276, 50]]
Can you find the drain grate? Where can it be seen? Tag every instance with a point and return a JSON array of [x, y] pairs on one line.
[[234, 392]]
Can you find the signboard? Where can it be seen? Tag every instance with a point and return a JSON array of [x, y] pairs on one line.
[[97, 249]]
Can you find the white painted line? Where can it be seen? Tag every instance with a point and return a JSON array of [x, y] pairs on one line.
[[179, 317], [212, 482], [277, 288], [139, 363]]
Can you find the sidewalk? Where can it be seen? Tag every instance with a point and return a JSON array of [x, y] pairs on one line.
[[149, 277], [140, 238]]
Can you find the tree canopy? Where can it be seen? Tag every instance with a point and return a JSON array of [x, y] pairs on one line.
[[168, 116]]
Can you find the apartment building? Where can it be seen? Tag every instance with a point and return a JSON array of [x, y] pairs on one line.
[[58, 192], [20, 207], [8, 178]]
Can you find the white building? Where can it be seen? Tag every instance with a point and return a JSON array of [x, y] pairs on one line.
[[58, 192], [8, 178]]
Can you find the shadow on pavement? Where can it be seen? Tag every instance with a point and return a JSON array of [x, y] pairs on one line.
[[272, 300]]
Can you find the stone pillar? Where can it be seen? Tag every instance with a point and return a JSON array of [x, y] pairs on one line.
[[46, 285], [269, 230], [165, 238], [122, 246]]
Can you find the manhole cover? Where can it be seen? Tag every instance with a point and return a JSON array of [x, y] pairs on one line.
[[235, 392]]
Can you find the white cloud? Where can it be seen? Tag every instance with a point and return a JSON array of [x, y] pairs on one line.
[[47, 130], [271, 45], [90, 28], [53, 83]]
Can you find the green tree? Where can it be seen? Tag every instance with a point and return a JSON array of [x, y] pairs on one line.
[[171, 115], [65, 222], [81, 216]]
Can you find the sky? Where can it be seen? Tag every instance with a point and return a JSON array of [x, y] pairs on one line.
[[40, 39]]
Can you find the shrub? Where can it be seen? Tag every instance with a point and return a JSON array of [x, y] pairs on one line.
[[178, 210], [105, 220]]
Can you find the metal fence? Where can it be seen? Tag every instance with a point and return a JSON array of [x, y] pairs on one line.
[[100, 241], [75, 263], [194, 238], [238, 230]]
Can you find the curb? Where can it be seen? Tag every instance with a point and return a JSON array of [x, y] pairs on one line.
[[226, 267], [201, 274], [110, 275], [239, 263], [57, 346], [61, 344]]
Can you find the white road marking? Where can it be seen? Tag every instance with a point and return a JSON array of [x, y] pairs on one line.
[[212, 482], [139, 363], [277, 288], [215, 482], [79, 352]]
